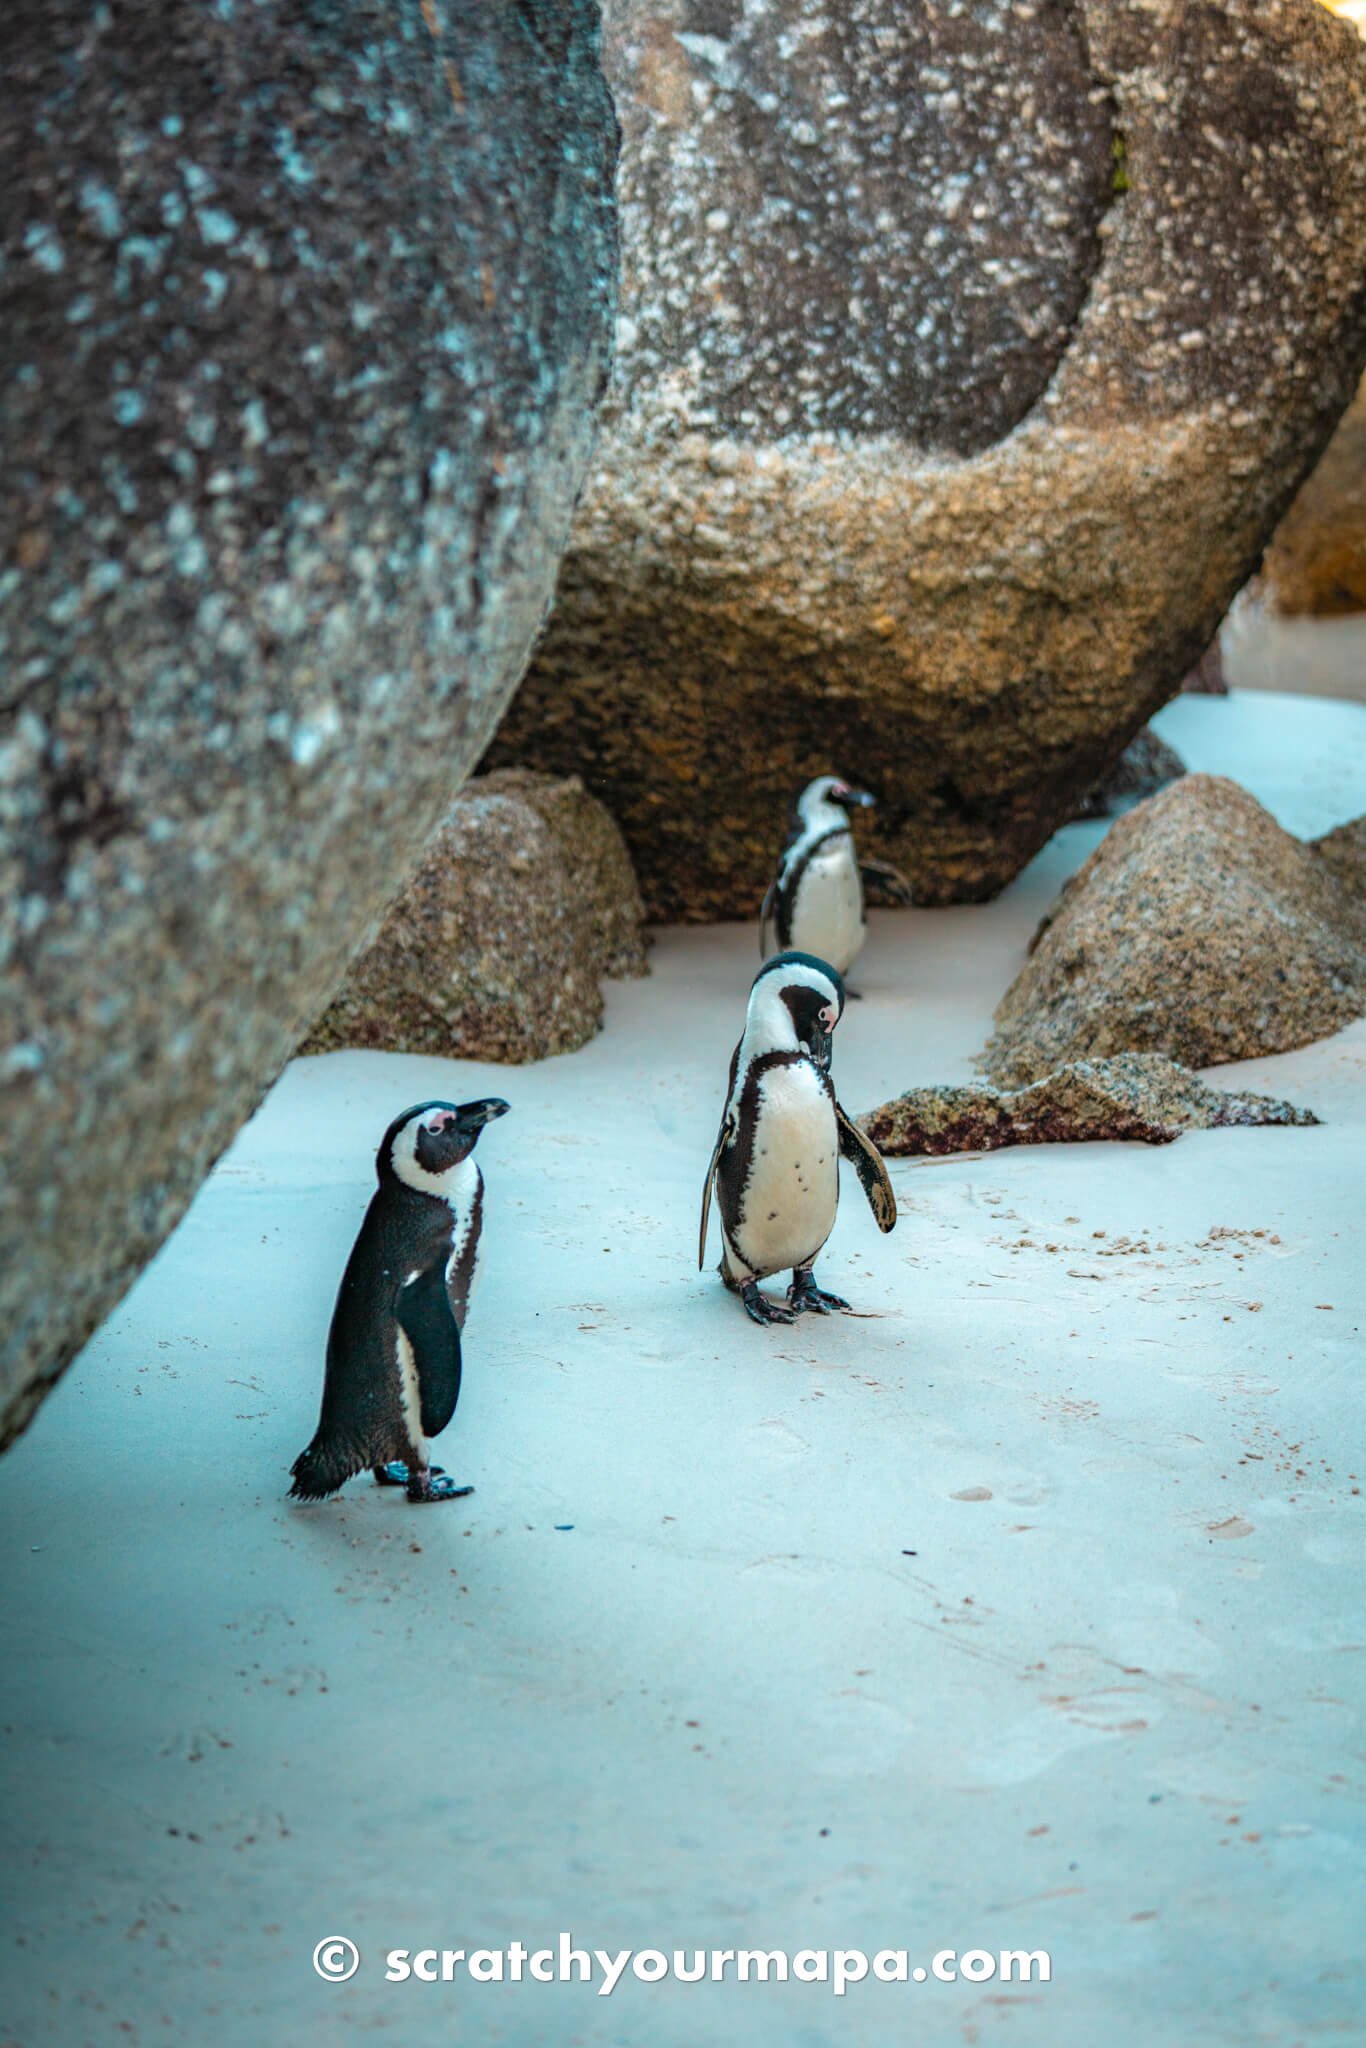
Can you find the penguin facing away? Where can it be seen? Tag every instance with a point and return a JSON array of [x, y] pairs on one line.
[[393, 1351], [815, 901], [775, 1166]]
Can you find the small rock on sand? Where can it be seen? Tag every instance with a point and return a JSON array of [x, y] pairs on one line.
[[494, 951], [1135, 1095], [1197, 928]]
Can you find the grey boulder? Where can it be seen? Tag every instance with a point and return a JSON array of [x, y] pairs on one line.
[[305, 312], [968, 356]]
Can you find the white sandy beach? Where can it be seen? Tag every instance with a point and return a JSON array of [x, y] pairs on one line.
[[1022, 1611]]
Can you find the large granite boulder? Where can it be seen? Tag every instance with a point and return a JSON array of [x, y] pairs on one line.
[[305, 313], [968, 356], [523, 900], [1197, 928], [1316, 563], [1140, 1097]]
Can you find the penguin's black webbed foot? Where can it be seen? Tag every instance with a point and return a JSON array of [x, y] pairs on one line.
[[433, 1485], [804, 1294], [395, 1473], [760, 1309]]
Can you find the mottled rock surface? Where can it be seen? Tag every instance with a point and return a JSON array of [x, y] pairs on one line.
[[1316, 563], [494, 951], [1344, 850], [1146, 765], [968, 356], [868, 218], [1207, 678], [1197, 928], [303, 314], [1135, 1095]]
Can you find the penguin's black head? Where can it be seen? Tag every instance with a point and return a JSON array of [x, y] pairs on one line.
[[850, 799], [423, 1145], [811, 994], [809, 808]]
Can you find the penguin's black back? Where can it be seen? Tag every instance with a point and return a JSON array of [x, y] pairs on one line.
[[363, 1422]]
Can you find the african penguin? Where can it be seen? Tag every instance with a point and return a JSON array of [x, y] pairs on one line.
[[393, 1352], [775, 1167], [815, 901]]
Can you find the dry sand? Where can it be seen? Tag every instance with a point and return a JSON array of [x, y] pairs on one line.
[[1023, 1611]]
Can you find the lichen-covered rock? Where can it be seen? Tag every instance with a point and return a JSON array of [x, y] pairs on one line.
[[1134, 1095], [304, 311], [606, 894], [968, 356], [1316, 563], [1197, 928], [1146, 765], [524, 898]]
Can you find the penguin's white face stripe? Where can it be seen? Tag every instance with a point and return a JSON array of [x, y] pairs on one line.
[[819, 817], [768, 1020], [403, 1156], [816, 809]]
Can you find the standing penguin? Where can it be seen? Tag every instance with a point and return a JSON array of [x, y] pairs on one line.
[[393, 1352], [776, 1162], [815, 901]]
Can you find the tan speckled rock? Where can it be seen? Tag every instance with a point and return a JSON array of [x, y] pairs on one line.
[[1344, 849], [1135, 1095], [968, 356], [1197, 928], [494, 950], [1316, 562], [606, 894]]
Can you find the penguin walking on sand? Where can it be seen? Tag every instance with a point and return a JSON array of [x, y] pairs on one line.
[[775, 1166], [814, 903], [393, 1351]]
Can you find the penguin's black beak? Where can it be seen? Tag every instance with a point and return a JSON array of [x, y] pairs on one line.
[[821, 1037], [474, 1115], [853, 799]]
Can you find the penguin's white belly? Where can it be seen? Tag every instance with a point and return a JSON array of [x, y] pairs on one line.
[[787, 1208], [827, 915]]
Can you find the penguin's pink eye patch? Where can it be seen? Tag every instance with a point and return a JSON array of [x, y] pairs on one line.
[[442, 1121], [830, 1016]]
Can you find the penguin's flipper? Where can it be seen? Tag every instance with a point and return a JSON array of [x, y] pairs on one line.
[[766, 910], [723, 1138], [867, 1163], [881, 875], [423, 1313]]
